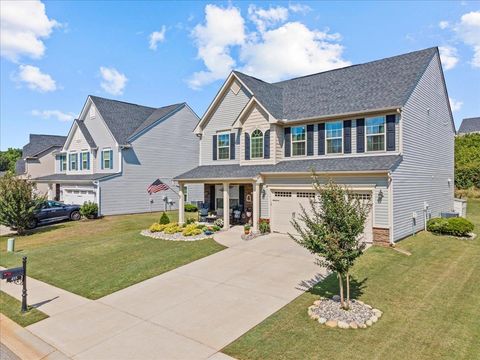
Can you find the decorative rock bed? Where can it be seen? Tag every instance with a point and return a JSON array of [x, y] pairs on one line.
[[174, 237], [329, 312]]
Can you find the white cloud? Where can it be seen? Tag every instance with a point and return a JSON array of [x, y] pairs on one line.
[[24, 25], [265, 18], [469, 31], [449, 56], [56, 114], [223, 28], [157, 37], [35, 79], [299, 8], [113, 81], [292, 50], [275, 51], [455, 105], [443, 24]]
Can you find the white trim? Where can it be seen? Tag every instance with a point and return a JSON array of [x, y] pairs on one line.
[[339, 115], [263, 144], [237, 124], [218, 143], [83, 115], [377, 134], [298, 141], [326, 138]]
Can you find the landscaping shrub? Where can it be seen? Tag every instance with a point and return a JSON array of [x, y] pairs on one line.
[[218, 222], [467, 161], [164, 219], [89, 210], [450, 226], [191, 230], [191, 208], [190, 221], [172, 228], [216, 227], [156, 227], [201, 226], [264, 226]]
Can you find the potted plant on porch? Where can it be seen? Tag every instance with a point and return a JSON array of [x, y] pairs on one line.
[[246, 229]]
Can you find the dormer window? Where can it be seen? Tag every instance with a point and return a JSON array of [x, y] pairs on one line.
[[73, 161], [223, 146], [375, 133], [63, 162], [299, 142], [256, 144], [334, 137], [85, 160], [107, 159]]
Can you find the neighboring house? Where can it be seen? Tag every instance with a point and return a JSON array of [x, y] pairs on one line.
[[470, 126], [383, 128], [38, 159], [115, 150]]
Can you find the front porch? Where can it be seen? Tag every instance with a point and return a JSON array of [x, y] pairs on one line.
[[235, 202]]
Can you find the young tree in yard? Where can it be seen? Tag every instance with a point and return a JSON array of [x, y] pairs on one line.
[[17, 202], [332, 229], [8, 159]]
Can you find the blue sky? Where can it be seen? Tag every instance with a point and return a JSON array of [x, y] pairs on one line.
[[55, 53]]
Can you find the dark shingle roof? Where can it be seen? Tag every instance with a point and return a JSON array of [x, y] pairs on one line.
[[126, 119], [378, 84], [39, 143], [65, 177], [86, 133], [360, 163], [469, 125]]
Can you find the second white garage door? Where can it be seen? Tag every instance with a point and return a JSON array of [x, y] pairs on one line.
[[78, 196], [286, 205]]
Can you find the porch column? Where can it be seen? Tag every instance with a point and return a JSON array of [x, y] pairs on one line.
[[50, 192], [181, 204], [256, 205], [226, 205]]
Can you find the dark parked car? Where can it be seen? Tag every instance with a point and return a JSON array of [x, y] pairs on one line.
[[51, 211]]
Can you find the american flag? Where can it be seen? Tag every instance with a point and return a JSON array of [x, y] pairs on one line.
[[157, 186]]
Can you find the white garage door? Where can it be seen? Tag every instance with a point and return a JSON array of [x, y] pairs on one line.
[[78, 196], [286, 205]]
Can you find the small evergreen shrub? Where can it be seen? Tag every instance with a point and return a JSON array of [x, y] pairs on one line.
[[191, 208], [451, 226], [89, 210], [164, 219], [216, 228], [264, 226]]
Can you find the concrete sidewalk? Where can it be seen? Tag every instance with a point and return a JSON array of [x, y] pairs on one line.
[[191, 312]]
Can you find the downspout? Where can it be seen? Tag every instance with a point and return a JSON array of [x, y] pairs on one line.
[[390, 207]]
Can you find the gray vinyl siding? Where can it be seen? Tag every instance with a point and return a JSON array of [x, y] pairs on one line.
[[223, 117], [264, 203], [379, 203], [428, 155], [166, 150]]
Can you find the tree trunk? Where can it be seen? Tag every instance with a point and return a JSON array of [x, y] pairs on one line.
[[340, 285], [348, 290]]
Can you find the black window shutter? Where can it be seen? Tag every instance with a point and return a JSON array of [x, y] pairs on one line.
[[390, 132], [214, 147], [212, 198], [247, 146], [347, 136], [360, 135], [309, 140], [266, 145], [241, 196], [287, 140], [321, 139], [232, 146]]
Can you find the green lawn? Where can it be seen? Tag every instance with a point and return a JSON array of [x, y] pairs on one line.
[[431, 304], [96, 258], [11, 308]]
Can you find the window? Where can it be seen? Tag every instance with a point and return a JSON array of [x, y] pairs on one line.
[[85, 158], [305, 194], [107, 161], [283, 194], [185, 194], [63, 162], [334, 135], [298, 141], [223, 146], [256, 144], [73, 161], [375, 133]]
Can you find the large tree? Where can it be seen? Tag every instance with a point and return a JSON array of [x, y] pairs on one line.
[[332, 229], [18, 201], [9, 158]]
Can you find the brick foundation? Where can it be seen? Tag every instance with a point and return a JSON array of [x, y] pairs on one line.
[[381, 236]]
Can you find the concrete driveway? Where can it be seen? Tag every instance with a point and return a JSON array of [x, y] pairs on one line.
[[191, 312]]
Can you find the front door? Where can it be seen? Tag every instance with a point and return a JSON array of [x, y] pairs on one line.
[[57, 192]]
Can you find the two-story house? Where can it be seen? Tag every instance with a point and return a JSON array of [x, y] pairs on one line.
[[382, 128], [38, 159], [115, 150]]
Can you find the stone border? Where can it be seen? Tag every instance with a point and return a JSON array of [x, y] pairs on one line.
[[175, 237], [320, 311]]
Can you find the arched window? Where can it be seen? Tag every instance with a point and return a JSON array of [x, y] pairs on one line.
[[256, 144]]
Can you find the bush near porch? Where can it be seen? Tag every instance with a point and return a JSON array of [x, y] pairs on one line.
[[94, 259], [430, 302]]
